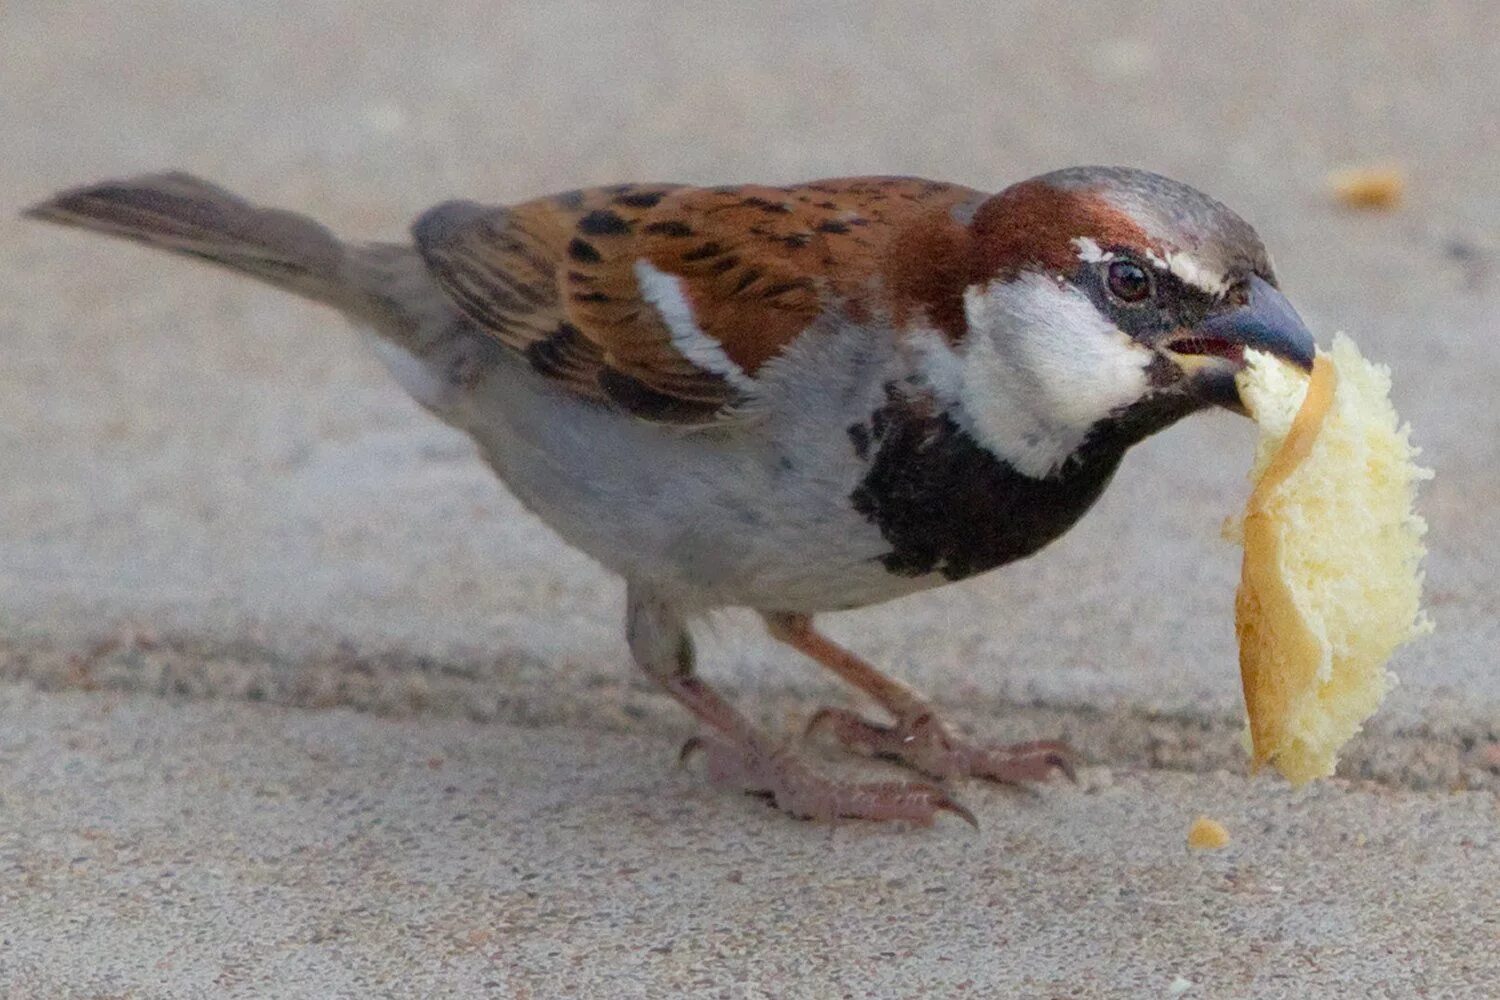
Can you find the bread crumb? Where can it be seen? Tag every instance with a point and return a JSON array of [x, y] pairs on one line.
[[1207, 834], [1368, 187]]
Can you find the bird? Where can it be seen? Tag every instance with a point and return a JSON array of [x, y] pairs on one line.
[[796, 400]]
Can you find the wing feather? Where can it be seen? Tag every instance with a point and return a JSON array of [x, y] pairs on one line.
[[667, 300]]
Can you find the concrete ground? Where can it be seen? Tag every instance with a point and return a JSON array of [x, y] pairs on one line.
[[297, 702]]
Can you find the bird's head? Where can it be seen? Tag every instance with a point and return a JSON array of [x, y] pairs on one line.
[[1100, 296]]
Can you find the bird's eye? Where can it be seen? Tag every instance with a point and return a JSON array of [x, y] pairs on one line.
[[1128, 281]]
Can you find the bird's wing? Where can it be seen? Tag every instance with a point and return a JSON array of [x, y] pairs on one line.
[[668, 300]]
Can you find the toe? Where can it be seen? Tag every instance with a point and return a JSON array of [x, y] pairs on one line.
[[877, 802], [1025, 763]]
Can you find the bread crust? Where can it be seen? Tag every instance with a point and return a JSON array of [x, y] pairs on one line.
[[1279, 652]]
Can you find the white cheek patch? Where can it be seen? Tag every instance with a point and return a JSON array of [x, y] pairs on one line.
[[664, 292], [1038, 369]]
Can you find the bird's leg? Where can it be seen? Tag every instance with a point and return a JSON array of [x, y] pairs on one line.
[[739, 755], [918, 738]]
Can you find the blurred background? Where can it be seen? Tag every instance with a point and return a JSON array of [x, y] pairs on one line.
[[187, 453]]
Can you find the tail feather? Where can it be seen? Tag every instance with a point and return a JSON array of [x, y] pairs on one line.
[[185, 215]]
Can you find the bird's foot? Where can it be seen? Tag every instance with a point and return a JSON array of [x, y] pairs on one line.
[[922, 742], [791, 786]]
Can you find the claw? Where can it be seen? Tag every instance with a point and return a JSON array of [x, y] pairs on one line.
[[958, 809], [1063, 762], [692, 746], [1049, 755]]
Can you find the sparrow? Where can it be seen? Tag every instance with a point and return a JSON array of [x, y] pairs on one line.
[[795, 399]]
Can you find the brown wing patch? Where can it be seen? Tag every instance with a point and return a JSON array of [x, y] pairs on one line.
[[762, 263], [644, 371], [556, 278]]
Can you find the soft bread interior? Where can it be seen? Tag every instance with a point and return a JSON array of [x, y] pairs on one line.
[[1330, 583]]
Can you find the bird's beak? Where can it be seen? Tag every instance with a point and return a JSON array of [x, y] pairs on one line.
[[1214, 352], [1266, 322]]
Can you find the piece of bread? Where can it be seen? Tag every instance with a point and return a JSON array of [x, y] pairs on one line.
[[1207, 835], [1378, 187], [1330, 585]]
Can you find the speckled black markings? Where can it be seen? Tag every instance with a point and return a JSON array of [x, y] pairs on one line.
[[704, 252], [603, 222], [669, 227], [748, 278], [782, 287], [949, 506], [769, 207], [639, 199], [583, 251]]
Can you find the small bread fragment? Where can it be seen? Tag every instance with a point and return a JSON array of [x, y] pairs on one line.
[[1207, 834], [1330, 584], [1368, 187]]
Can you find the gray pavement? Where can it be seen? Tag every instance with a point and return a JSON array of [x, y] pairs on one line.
[[258, 613], [224, 849]]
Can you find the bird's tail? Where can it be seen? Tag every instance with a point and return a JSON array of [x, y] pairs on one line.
[[186, 215]]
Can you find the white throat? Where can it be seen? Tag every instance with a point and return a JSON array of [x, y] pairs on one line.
[[1038, 369]]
